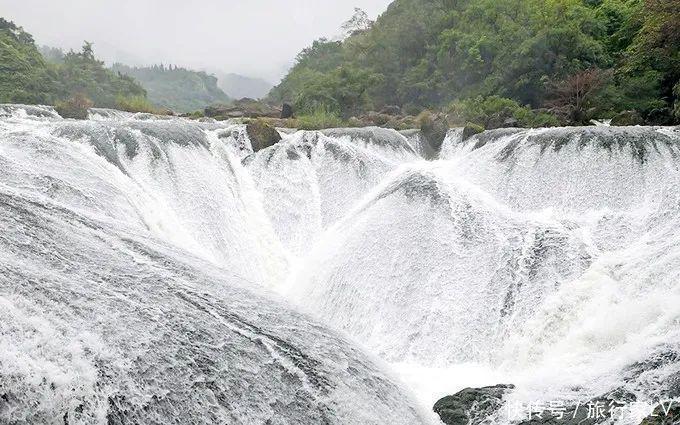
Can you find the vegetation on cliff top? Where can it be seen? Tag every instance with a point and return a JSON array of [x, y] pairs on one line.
[[571, 59]]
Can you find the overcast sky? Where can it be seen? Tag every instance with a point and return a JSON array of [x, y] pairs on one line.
[[258, 38]]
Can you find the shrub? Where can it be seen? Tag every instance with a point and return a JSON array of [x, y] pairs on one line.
[[496, 112], [320, 119], [76, 107], [135, 104]]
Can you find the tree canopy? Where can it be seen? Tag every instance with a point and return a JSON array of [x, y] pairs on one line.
[[429, 53]]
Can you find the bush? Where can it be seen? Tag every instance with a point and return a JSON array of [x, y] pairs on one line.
[[320, 119], [135, 104], [76, 107], [496, 112]]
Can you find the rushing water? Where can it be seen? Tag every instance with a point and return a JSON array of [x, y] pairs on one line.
[[157, 270]]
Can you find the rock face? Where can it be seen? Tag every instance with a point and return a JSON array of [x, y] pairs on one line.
[[627, 118], [286, 111], [262, 135], [472, 405]]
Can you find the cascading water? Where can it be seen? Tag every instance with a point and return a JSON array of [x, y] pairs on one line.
[[152, 269], [135, 256]]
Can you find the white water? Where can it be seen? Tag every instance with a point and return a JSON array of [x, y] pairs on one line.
[[140, 256]]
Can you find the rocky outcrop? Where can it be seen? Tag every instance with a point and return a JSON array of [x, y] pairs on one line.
[[262, 135], [472, 405]]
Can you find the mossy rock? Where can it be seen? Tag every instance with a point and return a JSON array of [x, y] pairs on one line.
[[471, 129], [76, 107], [262, 135]]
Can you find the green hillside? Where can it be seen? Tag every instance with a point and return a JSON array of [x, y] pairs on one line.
[[179, 89], [576, 59]]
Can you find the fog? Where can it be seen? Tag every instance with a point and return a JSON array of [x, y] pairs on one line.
[[257, 38]]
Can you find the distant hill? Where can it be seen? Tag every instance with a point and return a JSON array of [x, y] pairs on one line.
[[239, 86], [176, 88]]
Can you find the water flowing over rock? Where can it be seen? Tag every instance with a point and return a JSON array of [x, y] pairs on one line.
[[159, 270], [133, 289]]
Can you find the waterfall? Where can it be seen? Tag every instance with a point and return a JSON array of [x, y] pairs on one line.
[[156, 269]]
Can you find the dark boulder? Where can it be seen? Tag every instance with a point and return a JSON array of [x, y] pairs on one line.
[[472, 405], [286, 111], [627, 118], [262, 135]]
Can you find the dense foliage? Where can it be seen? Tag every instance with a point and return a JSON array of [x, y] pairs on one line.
[[176, 88], [24, 75], [73, 78], [577, 59]]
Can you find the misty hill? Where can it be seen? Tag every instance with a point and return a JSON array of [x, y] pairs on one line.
[[176, 88], [453, 54], [239, 86]]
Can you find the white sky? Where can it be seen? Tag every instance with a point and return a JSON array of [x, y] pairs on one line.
[[258, 38]]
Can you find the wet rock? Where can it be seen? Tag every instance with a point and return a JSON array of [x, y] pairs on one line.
[[627, 118], [472, 405], [262, 135], [665, 414]]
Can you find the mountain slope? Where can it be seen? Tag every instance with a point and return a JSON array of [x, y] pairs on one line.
[[179, 89], [239, 86]]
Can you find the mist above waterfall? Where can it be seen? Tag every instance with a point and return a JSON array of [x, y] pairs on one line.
[[156, 269]]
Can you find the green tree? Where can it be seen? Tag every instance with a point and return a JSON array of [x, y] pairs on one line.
[[24, 75]]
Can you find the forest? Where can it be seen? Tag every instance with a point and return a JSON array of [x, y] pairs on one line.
[[74, 81], [542, 62]]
